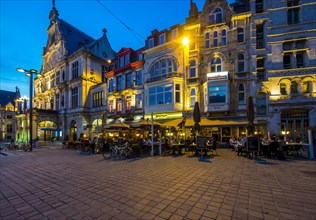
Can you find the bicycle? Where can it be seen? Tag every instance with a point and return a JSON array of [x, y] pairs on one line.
[[109, 151], [117, 152]]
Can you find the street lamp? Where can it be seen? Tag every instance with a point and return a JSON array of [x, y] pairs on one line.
[[30, 74], [185, 43]]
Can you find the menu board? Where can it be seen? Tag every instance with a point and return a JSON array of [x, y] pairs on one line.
[[201, 142]]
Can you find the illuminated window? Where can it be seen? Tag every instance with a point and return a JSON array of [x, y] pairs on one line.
[[111, 106], [139, 101], [119, 105]]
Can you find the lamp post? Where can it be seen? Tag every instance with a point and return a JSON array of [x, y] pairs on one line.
[[30, 74], [185, 43]]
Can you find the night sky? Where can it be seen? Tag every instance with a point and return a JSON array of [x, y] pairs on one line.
[[23, 28]]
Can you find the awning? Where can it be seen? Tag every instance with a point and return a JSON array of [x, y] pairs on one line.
[[215, 123], [117, 126], [173, 123], [144, 123]]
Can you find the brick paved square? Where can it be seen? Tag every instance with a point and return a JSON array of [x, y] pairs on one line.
[[59, 184]]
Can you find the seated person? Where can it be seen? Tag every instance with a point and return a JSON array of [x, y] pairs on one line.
[[148, 141], [239, 146], [232, 143]]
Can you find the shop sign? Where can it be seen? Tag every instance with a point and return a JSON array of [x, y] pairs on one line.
[[217, 76]]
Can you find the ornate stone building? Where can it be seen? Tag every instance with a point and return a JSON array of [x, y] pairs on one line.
[[10, 107], [70, 93], [283, 57]]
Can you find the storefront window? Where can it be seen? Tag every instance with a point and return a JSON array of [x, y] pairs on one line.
[[217, 94]]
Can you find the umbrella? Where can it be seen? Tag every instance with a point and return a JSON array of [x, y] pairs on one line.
[[119, 125], [250, 115], [196, 117]]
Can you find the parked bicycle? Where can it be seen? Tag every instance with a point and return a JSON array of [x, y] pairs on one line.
[[119, 152]]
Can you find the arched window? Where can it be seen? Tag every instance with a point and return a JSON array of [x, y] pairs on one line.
[[261, 103], [283, 89], [192, 97], [207, 40], [294, 88], [216, 16], [224, 40], [163, 69], [241, 62], [215, 39], [192, 68], [216, 65], [241, 93]]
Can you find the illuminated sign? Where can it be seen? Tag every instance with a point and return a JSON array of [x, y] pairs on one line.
[[217, 76], [164, 115]]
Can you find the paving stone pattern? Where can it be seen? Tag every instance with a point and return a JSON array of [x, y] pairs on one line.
[[56, 183]]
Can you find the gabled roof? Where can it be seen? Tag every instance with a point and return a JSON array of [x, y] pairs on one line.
[[6, 97]]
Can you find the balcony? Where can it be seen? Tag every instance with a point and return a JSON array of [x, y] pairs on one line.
[[162, 77]]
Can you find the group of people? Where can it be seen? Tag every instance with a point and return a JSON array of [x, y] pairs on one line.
[[238, 145]]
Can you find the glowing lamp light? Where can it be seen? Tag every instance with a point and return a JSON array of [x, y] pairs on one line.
[[185, 41]]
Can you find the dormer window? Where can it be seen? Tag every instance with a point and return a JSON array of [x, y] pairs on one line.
[[216, 16], [162, 39], [151, 43], [174, 33]]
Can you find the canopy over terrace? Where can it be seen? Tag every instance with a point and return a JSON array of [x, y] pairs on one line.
[[145, 123], [215, 123], [118, 125]]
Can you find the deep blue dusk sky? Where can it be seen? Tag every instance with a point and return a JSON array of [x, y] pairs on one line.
[[23, 28]]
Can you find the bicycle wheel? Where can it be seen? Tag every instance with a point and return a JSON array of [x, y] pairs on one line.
[[108, 154]]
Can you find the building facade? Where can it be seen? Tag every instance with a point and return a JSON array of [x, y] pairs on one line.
[[70, 90], [11, 106], [251, 48], [283, 57]]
